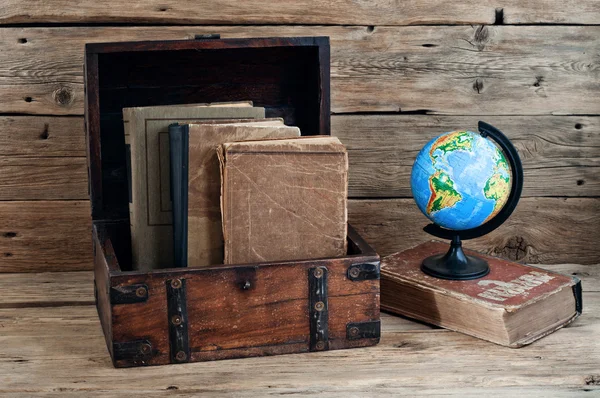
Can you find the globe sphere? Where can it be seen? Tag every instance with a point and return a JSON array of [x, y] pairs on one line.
[[460, 180]]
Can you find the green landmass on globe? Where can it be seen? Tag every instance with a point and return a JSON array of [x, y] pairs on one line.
[[443, 193], [497, 187], [461, 180], [452, 142]]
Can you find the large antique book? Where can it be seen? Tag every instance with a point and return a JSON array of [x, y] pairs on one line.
[[196, 184], [284, 199], [147, 143], [513, 305]]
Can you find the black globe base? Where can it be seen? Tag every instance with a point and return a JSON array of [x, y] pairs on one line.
[[455, 264]]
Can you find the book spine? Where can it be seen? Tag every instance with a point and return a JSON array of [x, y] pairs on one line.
[[179, 160], [128, 127]]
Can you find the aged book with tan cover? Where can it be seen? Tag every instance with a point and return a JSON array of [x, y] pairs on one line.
[[513, 305], [284, 199], [198, 236], [147, 142]]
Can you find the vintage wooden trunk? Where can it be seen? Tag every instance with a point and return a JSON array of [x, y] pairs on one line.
[[181, 314]]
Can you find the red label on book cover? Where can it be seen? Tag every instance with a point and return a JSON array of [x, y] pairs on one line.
[[507, 284]]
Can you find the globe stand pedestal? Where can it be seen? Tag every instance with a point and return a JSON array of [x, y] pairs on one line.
[[455, 264]]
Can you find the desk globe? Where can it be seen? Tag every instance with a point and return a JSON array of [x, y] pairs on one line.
[[467, 184]]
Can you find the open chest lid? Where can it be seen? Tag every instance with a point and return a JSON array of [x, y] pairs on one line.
[[289, 77]]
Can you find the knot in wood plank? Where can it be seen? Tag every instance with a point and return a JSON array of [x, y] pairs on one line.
[[592, 380], [515, 249], [45, 134], [478, 85], [63, 96], [481, 37]]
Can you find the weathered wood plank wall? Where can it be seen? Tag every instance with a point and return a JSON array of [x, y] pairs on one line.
[[309, 12], [401, 74], [464, 70]]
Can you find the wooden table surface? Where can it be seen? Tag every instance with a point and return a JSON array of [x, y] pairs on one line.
[[51, 344]]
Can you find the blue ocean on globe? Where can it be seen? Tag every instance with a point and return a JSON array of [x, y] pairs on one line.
[[460, 180]]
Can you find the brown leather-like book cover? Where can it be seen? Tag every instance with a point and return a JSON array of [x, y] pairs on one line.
[[513, 305], [204, 232], [284, 199]]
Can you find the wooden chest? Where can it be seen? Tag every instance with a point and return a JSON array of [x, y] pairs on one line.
[[182, 315]]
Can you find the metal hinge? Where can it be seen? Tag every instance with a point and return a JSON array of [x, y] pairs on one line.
[[363, 271], [363, 330], [129, 294], [178, 321], [138, 351], [318, 309]]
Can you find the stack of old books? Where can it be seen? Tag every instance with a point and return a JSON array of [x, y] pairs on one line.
[[221, 184]]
